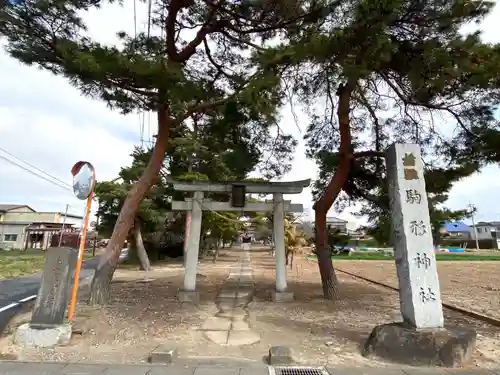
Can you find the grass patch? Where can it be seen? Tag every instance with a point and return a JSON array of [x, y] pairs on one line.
[[439, 257], [16, 263]]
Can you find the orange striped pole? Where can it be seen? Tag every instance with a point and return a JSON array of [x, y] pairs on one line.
[[83, 186], [83, 239]]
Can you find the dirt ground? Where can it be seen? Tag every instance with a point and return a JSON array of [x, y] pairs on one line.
[[143, 315], [472, 285]]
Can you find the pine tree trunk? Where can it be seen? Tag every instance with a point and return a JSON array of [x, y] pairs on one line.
[[132, 256], [139, 245], [101, 283], [328, 277], [331, 192], [216, 254], [100, 287]]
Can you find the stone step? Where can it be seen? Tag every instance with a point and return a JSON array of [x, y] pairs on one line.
[[238, 313], [226, 304], [216, 324], [239, 325], [245, 293], [228, 294], [233, 338], [246, 282], [241, 293], [237, 338]]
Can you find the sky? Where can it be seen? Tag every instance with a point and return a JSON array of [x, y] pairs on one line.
[[47, 123]]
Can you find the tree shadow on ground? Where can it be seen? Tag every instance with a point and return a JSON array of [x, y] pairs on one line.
[[355, 296]]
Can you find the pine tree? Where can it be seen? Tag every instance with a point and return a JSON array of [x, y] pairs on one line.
[[205, 150], [391, 71], [171, 74]]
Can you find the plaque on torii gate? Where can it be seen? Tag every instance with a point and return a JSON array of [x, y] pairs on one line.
[[196, 205]]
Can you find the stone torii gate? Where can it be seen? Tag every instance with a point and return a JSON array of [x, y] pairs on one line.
[[238, 191]]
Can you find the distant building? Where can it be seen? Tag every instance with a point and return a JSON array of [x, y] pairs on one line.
[[22, 227], [456, 230], [486, 230], [336, 223]]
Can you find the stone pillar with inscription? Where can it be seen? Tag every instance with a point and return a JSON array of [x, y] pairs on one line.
[[419, 293], [47, 327], [420, 339]]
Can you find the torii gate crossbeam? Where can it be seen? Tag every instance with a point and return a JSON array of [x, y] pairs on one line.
[[197, 204]]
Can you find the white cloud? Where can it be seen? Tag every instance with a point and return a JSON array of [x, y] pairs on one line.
[[47, 122], [482, 190]]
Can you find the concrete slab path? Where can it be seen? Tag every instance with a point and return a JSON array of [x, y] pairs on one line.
[[230, 325]]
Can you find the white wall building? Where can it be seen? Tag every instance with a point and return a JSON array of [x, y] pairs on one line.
[[344, 226], [21, 226], [484, 230]]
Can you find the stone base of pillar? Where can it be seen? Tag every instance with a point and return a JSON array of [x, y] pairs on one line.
[[403, 344], [188, 296], [49, 337], [281, 296]]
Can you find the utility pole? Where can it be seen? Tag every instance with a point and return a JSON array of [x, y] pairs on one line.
[[63, 223], [472, 209]]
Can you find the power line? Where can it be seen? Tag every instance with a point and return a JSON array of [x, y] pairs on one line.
[[68, 187], [135, 20], [36, 168], [141, 124], [35, 174], [149, 18]]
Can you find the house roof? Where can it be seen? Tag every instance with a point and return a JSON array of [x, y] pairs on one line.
[[3, 223], [456, 226], [62, 214], [72, 216], [8, 207], [332, 219], [35, 225], [488, 224]]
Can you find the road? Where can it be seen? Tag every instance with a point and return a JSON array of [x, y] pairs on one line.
[[17, 291]]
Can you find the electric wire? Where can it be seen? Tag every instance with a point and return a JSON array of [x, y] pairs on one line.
[[149, 138], [135, 18], [36, 168], [149, 17], [60, 183], [35, 174]]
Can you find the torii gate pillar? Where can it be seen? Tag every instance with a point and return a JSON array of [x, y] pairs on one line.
[[279, 242], [193, 243], [197, 204]]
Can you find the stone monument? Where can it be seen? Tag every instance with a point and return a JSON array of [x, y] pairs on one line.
[[47, 328], [420, 339]]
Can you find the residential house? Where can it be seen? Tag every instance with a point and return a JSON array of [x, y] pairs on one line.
[[485, 230], [336, 223], [22, 227], [456, 230]]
